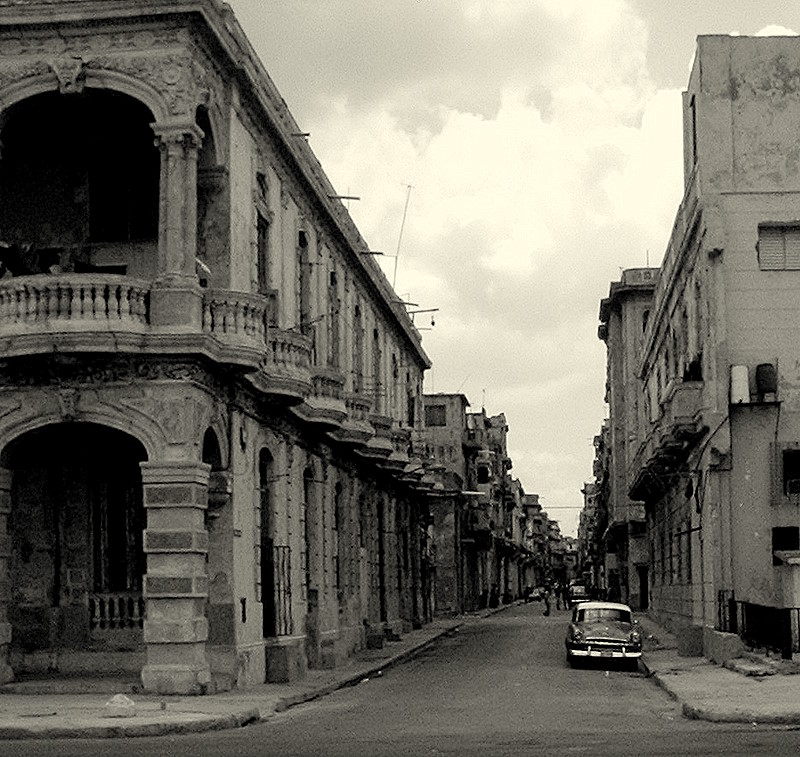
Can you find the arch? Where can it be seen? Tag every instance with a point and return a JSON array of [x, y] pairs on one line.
[[76, 536], [66, 188], [109, 80], [140, 426], [211, 453]]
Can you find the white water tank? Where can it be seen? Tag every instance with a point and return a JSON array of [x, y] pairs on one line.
[[740, 385]]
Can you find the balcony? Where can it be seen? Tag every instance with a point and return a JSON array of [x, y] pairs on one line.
[[478, 527], [285, 371], [325, 405], [380, 445], [356, 429], [237, 321], [398, 458], [678, 429], [72, 313]]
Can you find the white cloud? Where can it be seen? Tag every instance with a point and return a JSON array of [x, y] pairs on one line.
[[534, 141], [774, 30]]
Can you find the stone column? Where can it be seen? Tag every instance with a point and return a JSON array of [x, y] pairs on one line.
[[6, 673], [176, 583], [176, 298]]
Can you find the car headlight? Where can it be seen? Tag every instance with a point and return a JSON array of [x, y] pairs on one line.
[[636, 637], [577, 634]]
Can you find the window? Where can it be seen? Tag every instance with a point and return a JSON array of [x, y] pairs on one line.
[[262, 253], [358, 350], [304, 283], [436, 415], [784, 537], [334, 305], [779, 248], [791, 471]]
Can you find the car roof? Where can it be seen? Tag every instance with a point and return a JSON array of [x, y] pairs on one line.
[[597, 605]]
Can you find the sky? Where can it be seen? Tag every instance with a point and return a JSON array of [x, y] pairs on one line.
[[511, 157]]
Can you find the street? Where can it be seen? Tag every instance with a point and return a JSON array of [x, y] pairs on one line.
[[498, 686]]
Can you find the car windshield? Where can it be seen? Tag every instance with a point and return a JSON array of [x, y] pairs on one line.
[[602, 613]]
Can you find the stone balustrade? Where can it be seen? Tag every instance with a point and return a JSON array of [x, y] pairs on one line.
[[235, 318], [285, 370], [116, 610], [44, 303]]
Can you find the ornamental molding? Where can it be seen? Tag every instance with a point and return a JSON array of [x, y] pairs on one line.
[[163, 59]]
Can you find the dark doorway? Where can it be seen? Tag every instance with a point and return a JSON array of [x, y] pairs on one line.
[[76, 526], [644, 587]]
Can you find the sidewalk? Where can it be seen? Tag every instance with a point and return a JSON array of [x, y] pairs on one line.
[[753, 693], [25, 713], [752, 690]]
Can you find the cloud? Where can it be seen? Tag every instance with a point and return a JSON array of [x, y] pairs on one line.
[[533, 138]]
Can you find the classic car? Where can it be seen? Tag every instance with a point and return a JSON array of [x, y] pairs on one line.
[[577, 592], [603, 630]]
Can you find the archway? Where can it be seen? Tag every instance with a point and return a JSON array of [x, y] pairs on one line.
[[79, 177], [75, 530]]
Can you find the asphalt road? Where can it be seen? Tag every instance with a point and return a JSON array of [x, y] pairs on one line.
[[498, 686]]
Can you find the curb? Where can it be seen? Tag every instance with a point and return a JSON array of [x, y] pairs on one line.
[[209, 723], [692, 712]]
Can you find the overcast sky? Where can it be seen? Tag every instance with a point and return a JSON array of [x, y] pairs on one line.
[[542, 142]]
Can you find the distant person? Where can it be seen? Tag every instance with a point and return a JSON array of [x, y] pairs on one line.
[[546, 597]]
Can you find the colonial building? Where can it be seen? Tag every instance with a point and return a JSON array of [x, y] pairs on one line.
[[480, 514], [717, 462], [207, 388], [623, 319]]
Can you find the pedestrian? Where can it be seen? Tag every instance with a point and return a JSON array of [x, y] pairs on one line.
[[557, 592], [546, 598]]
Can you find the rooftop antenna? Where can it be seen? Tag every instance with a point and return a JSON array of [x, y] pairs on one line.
[[647, 256], [400, 236]]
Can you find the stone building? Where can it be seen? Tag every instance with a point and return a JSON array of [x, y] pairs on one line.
[[623, 319], [207, 389], [718, 458], [478, 510]]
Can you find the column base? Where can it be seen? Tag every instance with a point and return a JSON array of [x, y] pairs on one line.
[[176, 305], [176, 679]]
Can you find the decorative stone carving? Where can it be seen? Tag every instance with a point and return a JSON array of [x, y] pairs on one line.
[[171, 75], [68, 402], [175, 417], [70, 74]]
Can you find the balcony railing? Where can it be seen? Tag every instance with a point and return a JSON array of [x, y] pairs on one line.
[[325, 403], [285, 370], [41, 303], [111, 611], [235, 318]]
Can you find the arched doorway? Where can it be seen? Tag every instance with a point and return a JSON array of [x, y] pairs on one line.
[[75, 529]]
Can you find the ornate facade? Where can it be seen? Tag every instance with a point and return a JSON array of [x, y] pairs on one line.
[[207, 389]]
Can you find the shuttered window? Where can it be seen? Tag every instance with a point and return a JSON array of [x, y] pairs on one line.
[[779, 248]]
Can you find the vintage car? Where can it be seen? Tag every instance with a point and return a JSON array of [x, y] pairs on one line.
[[576, 592], [603, 630]]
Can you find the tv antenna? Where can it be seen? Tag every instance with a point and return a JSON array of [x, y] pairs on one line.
[[400, 236]]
